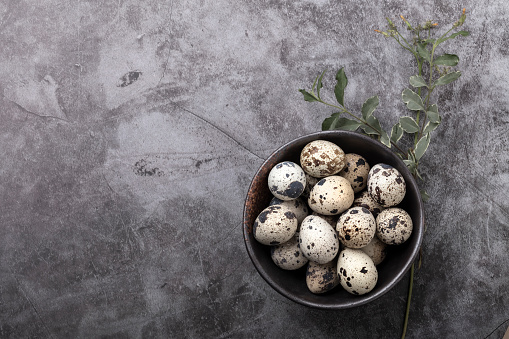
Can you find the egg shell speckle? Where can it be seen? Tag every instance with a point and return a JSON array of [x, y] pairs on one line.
[[394, 226], [356, 227], [363, 199], [321, 158], [357, 272], [386, 185], [331, 196], [356, 171], [321, 278], [288, 255], [376, 250], [318, 240], [275, 225], [297, 206], [287, 180]]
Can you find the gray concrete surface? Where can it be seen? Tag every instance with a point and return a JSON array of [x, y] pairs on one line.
[[130, 131]]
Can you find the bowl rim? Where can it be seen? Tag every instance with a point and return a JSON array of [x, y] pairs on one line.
[[419, 231]]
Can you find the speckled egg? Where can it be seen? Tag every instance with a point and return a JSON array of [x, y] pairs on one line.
[[321, 278], [288, 255], [376, 250], [356, 271], [287, 180], [356, 171], [356, 227], [330, 196], [275, 225], [363, 199], [321, 158], [310, 183], [394, 226], [318, 240], [386, 185], [297, 206]]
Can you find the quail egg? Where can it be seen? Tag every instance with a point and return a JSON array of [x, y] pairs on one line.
[[357, 272], [394, 226], [321, 278], [275, 225], [365, 200], [287, 180], [297, 206], [321, 158], [288, 255], [356, 227], [356, 171], [330, 196], [386, 185], [318, 240], [376, 250]]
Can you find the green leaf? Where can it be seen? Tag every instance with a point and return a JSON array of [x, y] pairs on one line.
[[422, 146], [424, 196], [410, 164], [408, 124], [384, 139], [446, 79], [423, 52], [330, 122], [347, 124], [452, 36], [334, 122], [369, 106], [339, 89], [432, 113], [412, 100], [372, 121], [430, 127], [418, 81], [308, 96], [396, 133], [447, 60], [319, 84]]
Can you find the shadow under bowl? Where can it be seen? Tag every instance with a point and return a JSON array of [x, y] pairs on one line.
[[292, 284]]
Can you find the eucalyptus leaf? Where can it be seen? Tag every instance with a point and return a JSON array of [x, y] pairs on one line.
[[447, 60], [423, 52], [369, 106], [446, 79], [374, 127], [347, 124], [396, 133], [319, 84], [408, 124], [422, 146], [430, 127], [433, 115], [384, 139], [412, 100], [308, 96], [330, 122], [418, 81], [339, 89]]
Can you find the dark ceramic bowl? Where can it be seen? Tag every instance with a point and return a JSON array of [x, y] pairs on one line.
[[292, 284]]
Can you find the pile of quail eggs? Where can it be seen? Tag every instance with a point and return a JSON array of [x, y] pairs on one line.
[[335, 214]]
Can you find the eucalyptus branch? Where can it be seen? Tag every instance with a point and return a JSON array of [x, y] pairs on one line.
[[424, 51]]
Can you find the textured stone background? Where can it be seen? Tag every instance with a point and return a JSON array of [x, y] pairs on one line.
[[121, 198]]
